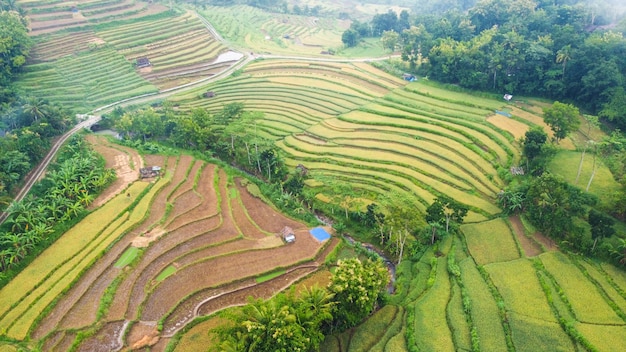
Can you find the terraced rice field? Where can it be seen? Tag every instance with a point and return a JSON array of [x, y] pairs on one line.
[[48, 16], [190, 241], [96, 66], [262, 32], [352, 122]]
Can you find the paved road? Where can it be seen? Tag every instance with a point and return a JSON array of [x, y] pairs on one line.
[[40, 169]]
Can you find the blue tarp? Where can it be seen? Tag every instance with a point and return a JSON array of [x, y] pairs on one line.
[[503, 113], [320, 234]]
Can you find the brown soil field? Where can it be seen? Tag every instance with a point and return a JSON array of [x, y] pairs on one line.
[[218, 237]]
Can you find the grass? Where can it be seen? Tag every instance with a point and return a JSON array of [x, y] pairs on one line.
[[127, 257], [269, 276], [170, 270], [565, 164], [490, 241], [197, 338]]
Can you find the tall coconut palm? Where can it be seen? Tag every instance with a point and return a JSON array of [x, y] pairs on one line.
[[563, 56], [35, 108]]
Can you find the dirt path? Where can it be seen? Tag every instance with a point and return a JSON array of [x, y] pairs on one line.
[[530, 247]]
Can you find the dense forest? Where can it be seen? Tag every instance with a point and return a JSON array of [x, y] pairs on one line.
[[567, 50], [26, 123]]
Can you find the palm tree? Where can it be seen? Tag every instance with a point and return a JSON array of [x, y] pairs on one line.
[[563, 56], [620, 253], [36, 108]]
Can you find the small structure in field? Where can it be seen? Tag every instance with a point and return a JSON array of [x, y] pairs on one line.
[[408, 77], [152, 171], [517, 170], [142, 62], [209, 94], [507, 97], [287, 234]]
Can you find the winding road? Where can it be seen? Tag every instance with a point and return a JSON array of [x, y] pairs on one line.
[[95, 116]]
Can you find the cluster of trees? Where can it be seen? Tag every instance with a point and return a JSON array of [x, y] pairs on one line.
[[298, 322], [557, 50], [560, 210], [230, 134], [27, 124], [69, 187]]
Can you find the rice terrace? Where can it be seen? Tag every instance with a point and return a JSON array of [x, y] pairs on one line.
[[242, 153]]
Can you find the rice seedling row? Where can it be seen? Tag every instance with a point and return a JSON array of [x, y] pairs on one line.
[[60, 280], [587, 303], [385, 153], [615, 298], [484, 139], [430, 89], [490, 242], [517, 283], [436, 106], [442, 159], [431, 327], [484, 310]]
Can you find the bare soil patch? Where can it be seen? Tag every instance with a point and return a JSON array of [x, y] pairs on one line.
[[547, 242], [125, 161], [144, 239], [530, 247], [208, 206], [143, 334], [264, 215]]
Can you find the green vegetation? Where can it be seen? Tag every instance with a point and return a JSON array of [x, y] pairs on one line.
[[170, 270], [127, 257], [269, 276]]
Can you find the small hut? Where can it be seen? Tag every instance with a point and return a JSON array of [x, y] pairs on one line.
[[142, 62], [209, 94], [152, 171], [288, 235]]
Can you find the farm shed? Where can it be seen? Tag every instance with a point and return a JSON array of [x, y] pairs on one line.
[[142, 62], [408, 77], [288, 235], [508, 97], [209, 94], [146, 172]]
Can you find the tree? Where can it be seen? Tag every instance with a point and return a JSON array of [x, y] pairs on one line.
[[591, 122], [562, 119], [15, 45], [356, 287], [445, 210], [563, 56], [350, 38], [264, 326], [533, 143], [601, 226], [390, 40], [611, 144], [552, 205], [400, 221]]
